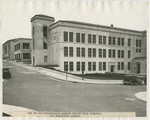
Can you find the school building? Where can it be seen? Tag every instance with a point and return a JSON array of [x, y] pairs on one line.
[[78, 46]]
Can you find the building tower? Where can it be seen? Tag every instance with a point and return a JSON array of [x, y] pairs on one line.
[[40, 39]]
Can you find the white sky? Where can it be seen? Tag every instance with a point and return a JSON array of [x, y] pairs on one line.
[[16, 15]]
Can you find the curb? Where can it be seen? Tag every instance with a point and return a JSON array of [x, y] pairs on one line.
[[140, 96]]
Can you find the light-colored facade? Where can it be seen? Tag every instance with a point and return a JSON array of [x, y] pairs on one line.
[[22, 48], [76, 46]]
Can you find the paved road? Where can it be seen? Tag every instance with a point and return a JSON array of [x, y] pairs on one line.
[[32, 90]]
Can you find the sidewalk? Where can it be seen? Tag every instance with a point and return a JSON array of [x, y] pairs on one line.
[[62, 76], [141, 96]]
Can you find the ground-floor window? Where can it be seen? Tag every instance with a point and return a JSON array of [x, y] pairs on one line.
[[26, 55], [94, 66], [78, 66], [89, 66], [65, 66], [104, 65], [118, 65], [45, 58], [129, 66], [100, 66], [71, 66], [83, 66], [122, 66]]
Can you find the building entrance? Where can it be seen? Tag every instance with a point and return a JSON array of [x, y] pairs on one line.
[[112, 68]]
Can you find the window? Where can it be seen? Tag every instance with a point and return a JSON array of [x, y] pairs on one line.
[[70, 36], [78, 66], [122, 53], [89, 66], [137, 43], [45, 58], [100, 39], [83, 37], [118, 40], [114, 53], [66, 36], [118, 53], [78, 52], [83, 52], [122, 66], [100, 53], [104, 65], [122, 41], [71, 66], [129, 66], [45, 31], [65, 51], [104, 53], [19, 55], [89, 52], [26, 45], [100, 66], [89, 38], [83, 66], [94, 39], [109, 40], [77, 37], [65, 66], [140, 43], [94, 66], [71, 51], [129, 42], [118, 65], [114, 41], [26, 55], [109, 53], [104, 40], [44, 45], [137, 50], [94, 52], [129, 54], [33, 37]]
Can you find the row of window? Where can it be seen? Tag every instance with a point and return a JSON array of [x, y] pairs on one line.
[[92, 38], [17, 56], [80, 52], [25, 56], [138, 50], [80, 66], [25, 46]]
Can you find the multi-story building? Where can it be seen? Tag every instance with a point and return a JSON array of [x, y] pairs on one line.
[[8, 49], [78, 46], [22, 47]]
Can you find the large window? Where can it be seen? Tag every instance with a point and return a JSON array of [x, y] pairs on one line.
[[104, 40], [78, 66], [78, 52], [137, 43], [94, 39], [104, 53], [65, 51], [114, 40], [33, 38], [118, 53], [26, 55], [129, 54], [122, 41], [83, 52], [65, 66], [109, 53], [45, 31], [100, 39], [104, 66], [71, 66], [122, 65], [26, 45], [89, 38], [100, 53], [89, 52], [118, 40], [77, 37], [122, 53], [140, 44], [114, 53], [94, 52], [89, 66], [118, 65], [129, 66], [71, 51], [70, 36], [83, 38], [65, 36], [109, 40], [129, 42], [100, 66], [44, 45], [94, 66], [83, 66]]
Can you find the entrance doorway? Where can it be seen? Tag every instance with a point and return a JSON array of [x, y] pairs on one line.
[[112, 68], [138, 67]]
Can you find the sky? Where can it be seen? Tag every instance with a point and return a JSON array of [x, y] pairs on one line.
[[16, 15]]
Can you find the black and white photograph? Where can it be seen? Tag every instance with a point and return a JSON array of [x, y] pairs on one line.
[[74, 59]]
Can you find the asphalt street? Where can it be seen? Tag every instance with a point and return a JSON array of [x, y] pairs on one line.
[[35, 91]]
